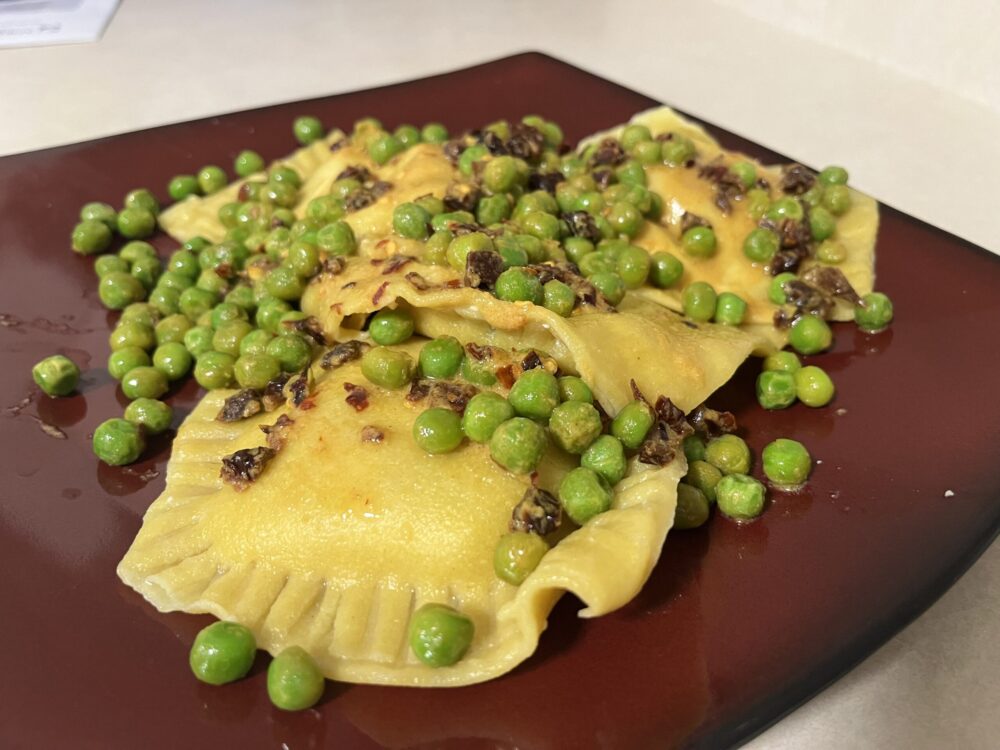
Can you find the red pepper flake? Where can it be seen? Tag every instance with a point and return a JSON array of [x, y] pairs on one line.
[[308, 404], [396, 262], [357, 396], [379, 292], [505, 375]]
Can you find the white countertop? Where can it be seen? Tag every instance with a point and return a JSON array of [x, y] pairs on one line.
[[910, 105]]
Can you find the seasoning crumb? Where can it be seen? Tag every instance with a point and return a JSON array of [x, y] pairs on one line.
[[372, 434], [840, 412], [357, 396], [50, 430], [949, 493]]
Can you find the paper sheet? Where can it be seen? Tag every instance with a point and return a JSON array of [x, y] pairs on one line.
[[26, 23]]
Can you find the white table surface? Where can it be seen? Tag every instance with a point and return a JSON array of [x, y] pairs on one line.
[[916, 119]]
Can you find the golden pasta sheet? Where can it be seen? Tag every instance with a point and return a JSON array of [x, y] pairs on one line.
[[344, 535], [644, 342], [729, 270]]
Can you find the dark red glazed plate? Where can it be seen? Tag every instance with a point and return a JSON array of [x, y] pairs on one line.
[[737, 625]]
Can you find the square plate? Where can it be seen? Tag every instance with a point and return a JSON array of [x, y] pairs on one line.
[[737, 625]]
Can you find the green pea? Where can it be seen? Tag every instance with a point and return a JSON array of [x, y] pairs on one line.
[[606, 457], [102, 212], [511, 251], [303, 259], [577, 248], [222, 652], [631, 172], [57, 375], [431, 204], [226, 312], [388, 368], [810, 334], [122, 360], [699, 301], [292, 351], [813, 386], [517, 285], [182, 186], [647, 153], [438, 430], [572, 388], [307, 129], [227, 214], [584, 494], [118, 442], [813, 196], [518, 445], [757, 202], [337, 238], [152, 415], [745, 171], [268, 316], [198, 340], [776, 292], [694, 448], [434, 132], [705, 477], [460, 247], [500, 174], [782, 361], [833, 175], [142, 198], [255, 343], [822, 224], [193, 302], [575, 425], [214, 370], [625, 218], [173, 360], [542, 225], [383, 148], [775, 390], [326, 209], [760, 245], [493, 209], [283, 283], [136, 222], [441, 357], [407, 135], [131, 333], [517, 554], [552, 133], [173, 280], [439, 635], [874, 313], [412, 221], [119, 289], [90, 236], [144, 382], [837, 199], [479, 373], [633, 134], [609, 284], [730, 309], [147, 270], [786, 463], [110, 264], [665, 270], [294, 682], [785, 208], [634, 265], [443, 221], [558, 297], [632, 424], [256, 370], [535, 394], [831, 253], [534, 247], [471, 155], [436, 248], [248, 162], [598, 262], [211, 282], [567, 196], [678, 150], [390, 327], [740, 497], [140, 312], [729, 454], [483, 414], [211, 179], [692, 508], [165, 301], [699, 242], [590, 201]]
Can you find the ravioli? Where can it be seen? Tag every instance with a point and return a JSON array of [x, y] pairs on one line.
[[728, 269], [325, 553], [643, 342]]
